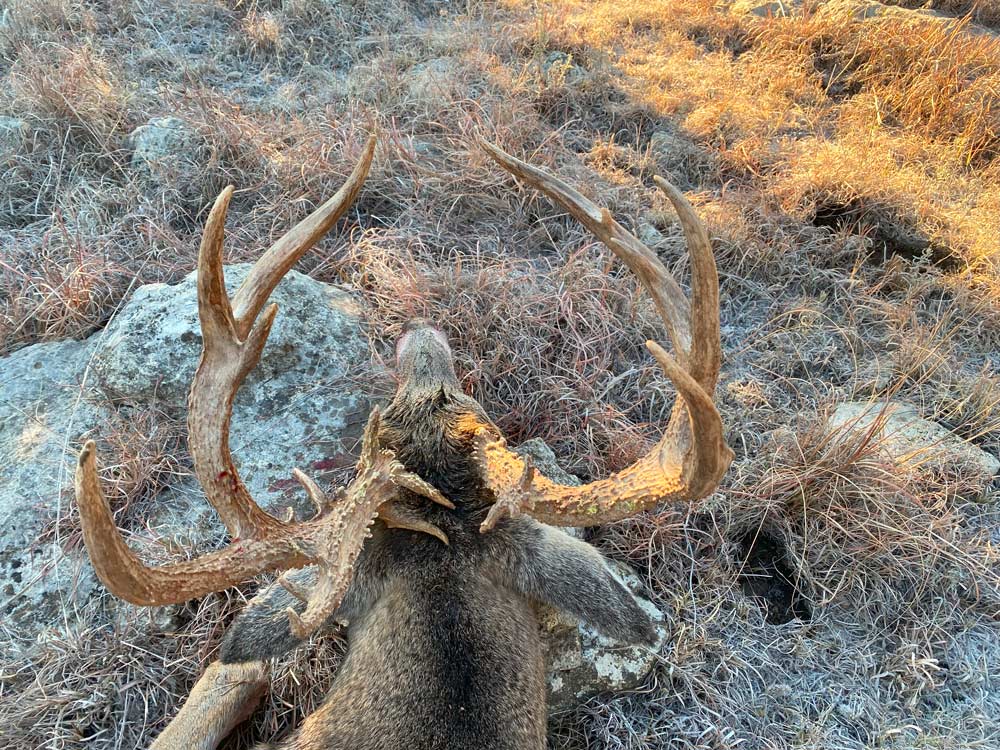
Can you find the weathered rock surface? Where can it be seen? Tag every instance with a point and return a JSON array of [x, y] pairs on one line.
[[304, 406], [907, 438], [583, 663], [41, 408], [168, 154], [433, 79]]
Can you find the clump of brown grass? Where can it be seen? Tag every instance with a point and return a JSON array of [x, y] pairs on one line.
[[931, 78], [55, 297], [543, 343], [74, 90]]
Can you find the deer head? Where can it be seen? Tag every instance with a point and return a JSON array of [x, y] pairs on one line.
[[687, 464]]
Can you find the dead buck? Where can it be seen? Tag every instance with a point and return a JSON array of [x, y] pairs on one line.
[[436, 553]]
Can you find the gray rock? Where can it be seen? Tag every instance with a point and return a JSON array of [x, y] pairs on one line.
[[545, 461], [13, 135], [581, 662], [169, 155], [433, 80], [302, 406], [41, 410], [908, 439]]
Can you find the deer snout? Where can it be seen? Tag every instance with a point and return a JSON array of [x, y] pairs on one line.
[[420, 334], [423, 356]]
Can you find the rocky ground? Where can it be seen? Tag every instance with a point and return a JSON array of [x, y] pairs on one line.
[[842, 590]]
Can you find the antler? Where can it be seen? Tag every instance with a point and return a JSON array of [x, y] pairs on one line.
[[234, 335], [692, 456]]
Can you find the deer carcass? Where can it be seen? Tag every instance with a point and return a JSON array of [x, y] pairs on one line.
[[439, 549]]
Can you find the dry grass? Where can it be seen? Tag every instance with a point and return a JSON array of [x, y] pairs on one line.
[[848, 170]]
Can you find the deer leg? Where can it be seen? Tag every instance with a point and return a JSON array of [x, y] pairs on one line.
[[222, 698]]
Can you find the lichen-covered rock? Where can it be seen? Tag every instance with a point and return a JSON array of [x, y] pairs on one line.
[[581, 662], [41, 408], [907, 438], [302, 406], [170, 155]]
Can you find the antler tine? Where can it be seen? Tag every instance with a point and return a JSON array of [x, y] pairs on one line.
[[127, 577], [692, 455], [274, 264], [706, 351], [234, 335], [659, 283]]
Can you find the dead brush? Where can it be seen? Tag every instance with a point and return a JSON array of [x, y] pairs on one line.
[[543, 342], [147, 454], [57, 296], [74, 91], [932, 78], [890, 538]]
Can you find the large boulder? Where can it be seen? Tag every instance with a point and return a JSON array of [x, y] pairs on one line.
[[42, 409], [304, 406]]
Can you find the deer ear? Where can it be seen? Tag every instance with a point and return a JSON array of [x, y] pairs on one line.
[[550, 566], [263, 629]]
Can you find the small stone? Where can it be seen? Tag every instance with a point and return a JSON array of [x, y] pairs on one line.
[[13, 136], [545, 461], [168, 154], [434, 80]]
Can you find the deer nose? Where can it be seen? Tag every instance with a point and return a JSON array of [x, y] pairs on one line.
[[414, 324], [420, 334]]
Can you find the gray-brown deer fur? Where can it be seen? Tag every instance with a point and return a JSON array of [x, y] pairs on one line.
[[443, 637], [443, 642]]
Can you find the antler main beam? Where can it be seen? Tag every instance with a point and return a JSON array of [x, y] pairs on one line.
[[233, 338], [234, 332], [692, 455]]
